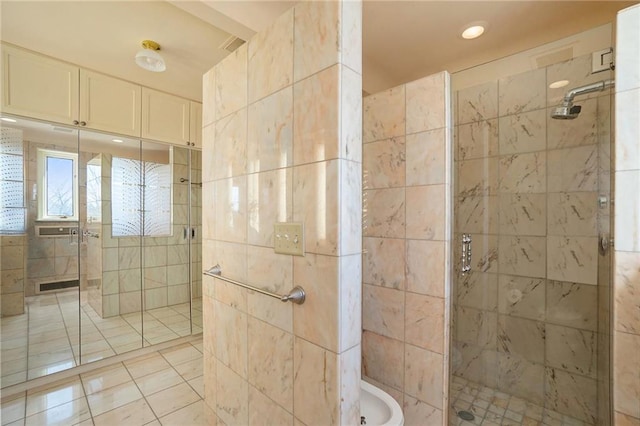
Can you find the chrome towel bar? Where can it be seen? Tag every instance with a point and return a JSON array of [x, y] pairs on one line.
[[296, 295]]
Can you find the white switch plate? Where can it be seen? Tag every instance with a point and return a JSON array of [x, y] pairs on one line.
[[288, 238]]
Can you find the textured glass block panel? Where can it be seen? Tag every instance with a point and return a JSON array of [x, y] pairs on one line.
[[157, 199], [11, 141], [12, 220], [11, 167], [132, 191], [126, 197], [11, 194], [59, 186]]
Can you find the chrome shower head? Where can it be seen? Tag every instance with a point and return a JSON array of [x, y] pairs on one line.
[[566, 112]]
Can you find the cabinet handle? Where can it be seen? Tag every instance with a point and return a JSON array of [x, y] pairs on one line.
[[83, 123], [76, 122]]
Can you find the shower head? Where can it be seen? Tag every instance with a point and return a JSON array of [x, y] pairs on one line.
[[566, 112], [569, 111]]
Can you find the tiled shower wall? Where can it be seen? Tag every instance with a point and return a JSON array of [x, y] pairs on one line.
[[282, 142], [406, 181], [626, 357], [527, 315]]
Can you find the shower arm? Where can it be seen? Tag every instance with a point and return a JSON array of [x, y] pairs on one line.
[[589, 88]]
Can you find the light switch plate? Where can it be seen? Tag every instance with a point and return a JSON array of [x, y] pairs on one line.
[[288, 238]]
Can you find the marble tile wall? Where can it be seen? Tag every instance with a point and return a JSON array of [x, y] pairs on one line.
[[12, 271], [531, 318], [626, 353], [406, 274], [282, 142]]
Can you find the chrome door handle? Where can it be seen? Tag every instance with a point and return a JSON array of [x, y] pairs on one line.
[[466, 253]]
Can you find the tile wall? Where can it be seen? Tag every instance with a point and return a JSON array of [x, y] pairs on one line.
[[529, 317], [406, 260], [282, 142], [12, 271], [626, 354]]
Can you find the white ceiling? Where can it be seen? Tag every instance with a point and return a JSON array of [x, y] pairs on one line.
[[402, 40]]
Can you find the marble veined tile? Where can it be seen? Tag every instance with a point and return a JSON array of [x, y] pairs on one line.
[[477, 215], [384, 115], [626, 365], [523, 173], [231, 83], [572, 305], [522, 338], [572, 350], [383, 359], [426, 107], [571, 394], [384, 163], [316, 37], [384, 262], [580, 131], [478, 103], [572, 169], [572, 259], [522, 92], [424, 375], [385, 215], [572, 213], [425, 157], [525, 132], [477, 140], [524, 256], [522, 297], [523, 214], [627, 292]]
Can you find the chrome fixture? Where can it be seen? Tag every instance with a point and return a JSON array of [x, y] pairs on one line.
[[466, 253], [569, 111], [185, 180], [296, 295]]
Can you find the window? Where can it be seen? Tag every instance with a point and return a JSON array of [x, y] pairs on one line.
[[141, 198], [12, 194], [57, 185]]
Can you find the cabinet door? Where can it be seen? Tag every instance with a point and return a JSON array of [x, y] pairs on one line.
[[164, 117], [110, 104], [195, 133], [40, 87]]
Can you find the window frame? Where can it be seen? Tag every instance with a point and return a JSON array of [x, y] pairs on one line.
[[43, 214]]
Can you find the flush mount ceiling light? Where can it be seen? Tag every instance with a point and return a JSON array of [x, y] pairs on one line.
[[558, 84], [117, 140], [474, 30], [8, 120], [149, 59]]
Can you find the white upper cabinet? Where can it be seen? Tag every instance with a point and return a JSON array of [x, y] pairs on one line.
[[165, 117], [195, 133], [39, 87], [110, 104]]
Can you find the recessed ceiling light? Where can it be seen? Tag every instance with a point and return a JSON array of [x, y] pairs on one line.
[[473, 31], [8, 120], [117, 140], [558, 84]]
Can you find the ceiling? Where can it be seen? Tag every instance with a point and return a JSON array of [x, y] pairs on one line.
[[402, 40]]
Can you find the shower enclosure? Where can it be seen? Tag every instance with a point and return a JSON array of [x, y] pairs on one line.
[[100, 246], [530, 338]]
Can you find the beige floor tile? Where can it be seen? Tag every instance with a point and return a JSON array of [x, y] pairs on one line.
[[192, 415], [198, 385], [172, 399], [136, 413], [181, 354], [42, 399], [139, 367], [16, 423], [105, 378], [70, 413], [190, 369], [12, 409], [114, 397], [160, 380]]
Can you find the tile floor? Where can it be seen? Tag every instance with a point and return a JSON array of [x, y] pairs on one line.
[[45, 339], [161, 388], [491, 408]]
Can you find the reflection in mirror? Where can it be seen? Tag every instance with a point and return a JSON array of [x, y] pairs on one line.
[[111, 300], [165, 226], [195, 218], [39, 267]]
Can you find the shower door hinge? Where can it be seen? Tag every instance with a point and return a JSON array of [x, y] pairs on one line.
[[602, 60]]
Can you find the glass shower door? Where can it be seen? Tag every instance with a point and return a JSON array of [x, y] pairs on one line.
[[531, 317]]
